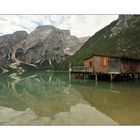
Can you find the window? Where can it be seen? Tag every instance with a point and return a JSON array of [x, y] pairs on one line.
[[104, 61], [90, 63]]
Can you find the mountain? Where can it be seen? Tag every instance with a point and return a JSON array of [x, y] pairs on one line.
[[120, 38], [44, 47], [47, 44], [8, 43]]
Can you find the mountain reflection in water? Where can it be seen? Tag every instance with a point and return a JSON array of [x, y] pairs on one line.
[[47, 98]]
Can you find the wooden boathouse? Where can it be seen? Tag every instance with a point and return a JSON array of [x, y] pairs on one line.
[[112, 67]]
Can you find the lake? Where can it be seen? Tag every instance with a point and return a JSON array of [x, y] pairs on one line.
[[57, 98]]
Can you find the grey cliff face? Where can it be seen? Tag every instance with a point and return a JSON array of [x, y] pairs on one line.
[[9, 42], [7, 46], [46, 45]]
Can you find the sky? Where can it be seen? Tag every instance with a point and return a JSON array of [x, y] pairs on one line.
[[79, 25]]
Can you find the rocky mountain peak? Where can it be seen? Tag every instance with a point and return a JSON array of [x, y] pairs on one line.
[[11, 40], [45, 46], [66, 32], [18, 36], [20, 33], [122, 23], [49, 43], [124, 17], [46, 27]]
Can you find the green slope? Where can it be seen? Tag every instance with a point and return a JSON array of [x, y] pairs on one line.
[[124, 43]]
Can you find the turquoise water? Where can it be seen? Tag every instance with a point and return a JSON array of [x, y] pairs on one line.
[[56, 98]]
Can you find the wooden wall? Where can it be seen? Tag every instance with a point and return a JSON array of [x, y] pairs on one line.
[[105, 64], [138, 67], [114, 64], [101, 64], [128, 65], [89, 64]]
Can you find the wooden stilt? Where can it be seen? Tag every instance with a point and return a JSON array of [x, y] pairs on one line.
[[106, 76], [121, 77], [127, 76], [96, 77], [138, 75], [111, 78], [133, 76], [84, 77]]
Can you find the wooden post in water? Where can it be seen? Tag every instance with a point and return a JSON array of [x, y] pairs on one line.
[[133, 76], [121, 77], [84, 76], [127, 76], [111, 78], [138, 75], [69, 76], [96, 77]]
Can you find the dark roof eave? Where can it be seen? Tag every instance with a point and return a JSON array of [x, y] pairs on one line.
[[124, 57]]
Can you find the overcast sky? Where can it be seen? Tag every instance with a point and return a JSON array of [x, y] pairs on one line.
[[79, 25]]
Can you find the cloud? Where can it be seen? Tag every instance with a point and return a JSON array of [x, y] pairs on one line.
[[85, 25], [79, 25], [56, 20]]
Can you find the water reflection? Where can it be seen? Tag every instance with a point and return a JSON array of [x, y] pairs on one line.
[[119, 101], [6, 95], [47, 98], [45, 94]]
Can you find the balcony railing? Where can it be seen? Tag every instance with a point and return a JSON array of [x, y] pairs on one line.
[[78, 69]]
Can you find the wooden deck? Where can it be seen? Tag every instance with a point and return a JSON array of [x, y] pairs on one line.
[[82, 73], [75, 69]]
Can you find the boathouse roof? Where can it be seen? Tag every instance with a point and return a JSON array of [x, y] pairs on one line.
[[104, 55]]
